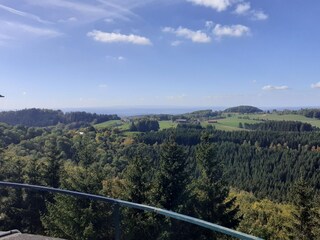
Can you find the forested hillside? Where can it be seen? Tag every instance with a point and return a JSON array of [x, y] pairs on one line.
[[243, 109], [45, 117], [190, 170]]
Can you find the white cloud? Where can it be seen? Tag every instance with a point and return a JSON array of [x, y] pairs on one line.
[[175, 43], [231, 31], [259, 15], [194, 36], [116, 58], [22, 14], [315, 85], [242, 8], [271, 88], [209, 24], [218, 5], [117, 37]]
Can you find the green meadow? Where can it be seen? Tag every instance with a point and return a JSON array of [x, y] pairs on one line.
[[229, 123]]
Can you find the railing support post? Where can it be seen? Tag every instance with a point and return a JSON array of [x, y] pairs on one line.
[[117, 221]]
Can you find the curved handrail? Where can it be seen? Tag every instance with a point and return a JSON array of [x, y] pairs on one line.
[[178, 216]]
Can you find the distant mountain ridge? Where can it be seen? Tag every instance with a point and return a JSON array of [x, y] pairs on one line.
[[243, 109]]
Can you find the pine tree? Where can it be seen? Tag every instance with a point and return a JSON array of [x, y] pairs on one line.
[[138, 179], [210, 191], [77, 218], [305, 215], [170, 188], [53, 163]]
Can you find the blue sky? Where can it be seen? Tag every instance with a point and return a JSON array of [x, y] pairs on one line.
[[185, 53]]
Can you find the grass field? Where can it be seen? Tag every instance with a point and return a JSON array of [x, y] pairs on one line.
[[113, 124], [108, 124], [230, 123], [167, 124], [286, 117]]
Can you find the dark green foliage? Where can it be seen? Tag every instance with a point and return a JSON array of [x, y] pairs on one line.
[[138, 176], [172, 177], [265, 163], [243, 109], [169, 188], [189, 126], [286, 126], [305, 215], [310, 113], [197, 115], [74, 218], [201, 114], [183, 136], [144, 125], [183, 174], [45, 117], [210, 191]]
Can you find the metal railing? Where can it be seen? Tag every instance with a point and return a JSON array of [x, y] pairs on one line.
[[118, 203]]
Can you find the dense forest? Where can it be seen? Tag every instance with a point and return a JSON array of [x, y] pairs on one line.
[[283, 126], [261, 182], [45, 117]]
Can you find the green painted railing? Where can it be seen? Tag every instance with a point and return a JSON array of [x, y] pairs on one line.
[[120, 203]]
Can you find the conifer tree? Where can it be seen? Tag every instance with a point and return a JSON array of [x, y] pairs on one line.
[[138, 179], [75, 218], [305, 216], [210, 191], [170, 188]]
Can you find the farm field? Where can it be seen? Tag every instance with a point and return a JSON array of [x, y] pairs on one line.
[[286, 117], [167, 124], [112, 123], [230, 123]]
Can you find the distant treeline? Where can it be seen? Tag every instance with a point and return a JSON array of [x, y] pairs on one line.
[[311, 113], [192, 115], [286, 126], [44, 117], [307, 112]]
